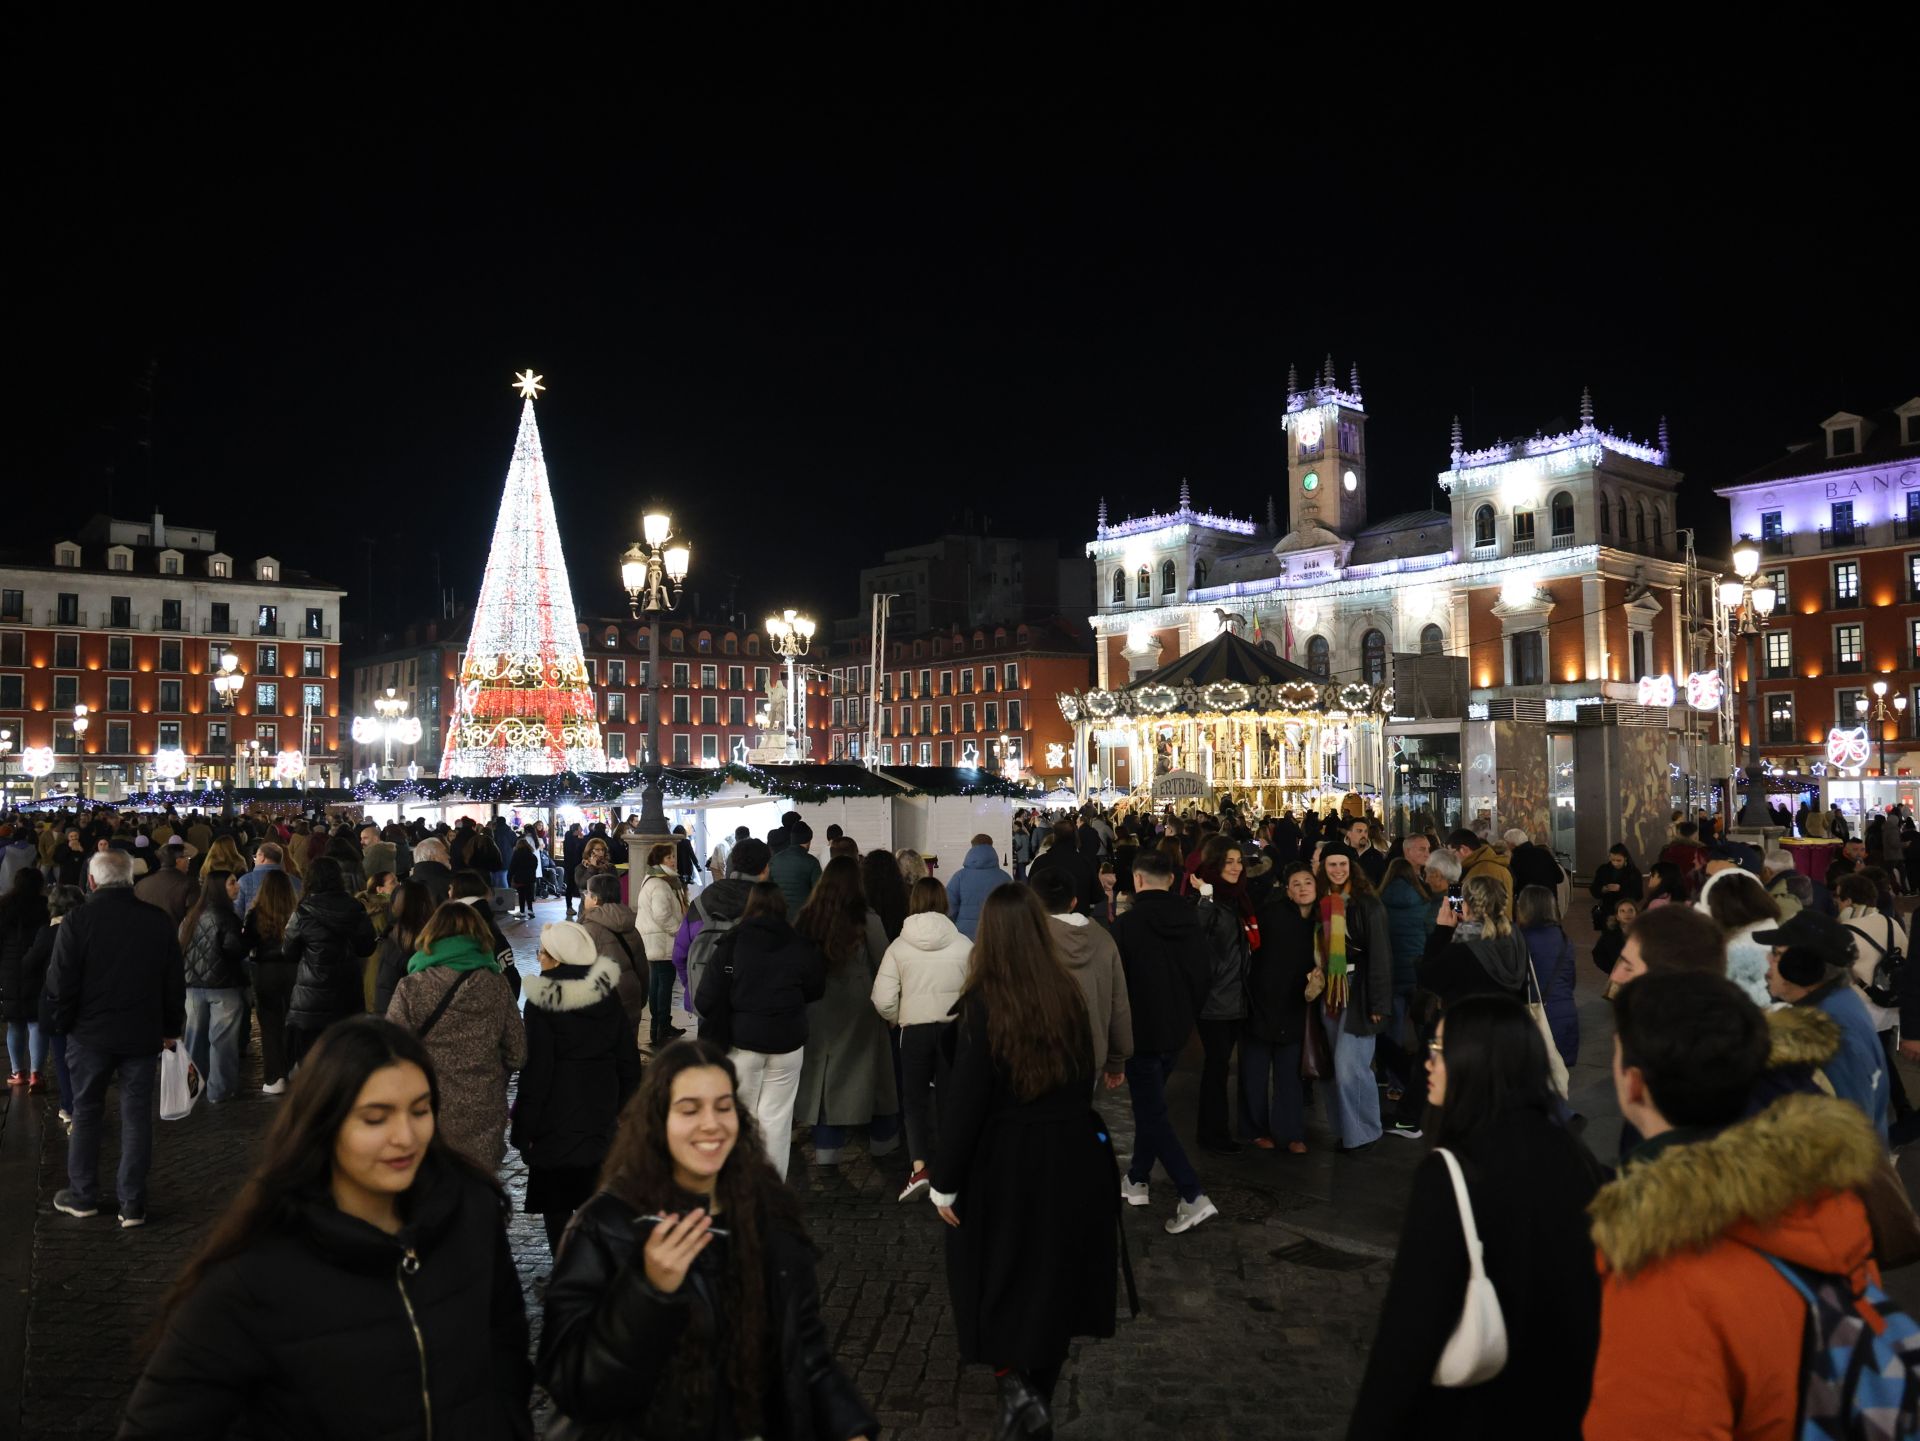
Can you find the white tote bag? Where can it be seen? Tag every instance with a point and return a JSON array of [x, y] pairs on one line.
[[1477, 1349], [1537, 1008], [179, 1084]]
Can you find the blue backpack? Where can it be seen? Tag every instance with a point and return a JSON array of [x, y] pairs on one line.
[[1859, 1362]]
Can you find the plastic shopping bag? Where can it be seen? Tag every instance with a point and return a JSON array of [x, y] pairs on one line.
[[179, 1084]]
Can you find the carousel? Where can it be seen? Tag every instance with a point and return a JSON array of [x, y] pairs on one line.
[[1231, 720]]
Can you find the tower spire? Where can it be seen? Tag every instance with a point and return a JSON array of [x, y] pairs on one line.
[[1586, 408], [1327, 374], [1186, 495], [1353, 379], [1273, 517], [1103, 512], [1293, 380], [1459, 440], [1666, 445]]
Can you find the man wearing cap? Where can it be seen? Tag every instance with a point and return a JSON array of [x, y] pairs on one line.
[[1811, 964], [171, 887]]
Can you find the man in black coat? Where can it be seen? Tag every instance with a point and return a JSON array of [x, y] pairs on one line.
[[115, 988], [1164, 955], [1531, 865], [430, 869], [1065, 853]]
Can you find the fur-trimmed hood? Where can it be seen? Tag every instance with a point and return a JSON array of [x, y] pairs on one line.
[[1758, 1182], [573, 988], [1801, 1036]]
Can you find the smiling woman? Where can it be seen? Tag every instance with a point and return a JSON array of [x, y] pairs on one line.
[[355, 1196]]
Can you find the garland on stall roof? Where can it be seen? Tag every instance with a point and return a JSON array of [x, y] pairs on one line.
[[692, 783]]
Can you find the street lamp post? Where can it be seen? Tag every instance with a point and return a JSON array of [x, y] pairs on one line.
[[654, 572], [6, 749], [390, 725], [227, 682], [1749, 605], [792, 636], [1880, 715], [80, 724]]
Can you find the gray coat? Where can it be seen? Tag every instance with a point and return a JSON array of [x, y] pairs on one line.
[[610, 923], [476, 1044], [846, 1078]]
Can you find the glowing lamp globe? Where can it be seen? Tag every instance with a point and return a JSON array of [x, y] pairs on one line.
[[1731, 594], [679, 557], [656, 526], [1764, 597], [633, 569], [1746, 558]]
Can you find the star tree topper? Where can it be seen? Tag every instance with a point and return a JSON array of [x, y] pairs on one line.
[[529, 383]]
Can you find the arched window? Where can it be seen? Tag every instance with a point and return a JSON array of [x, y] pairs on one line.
[[613, 638], [1432, 642], [1661, 528], [731, 645], [1143, 584], [1119, 587], [1199, 574], [705, 641], [676, 641], [753, 645], [1166, 577], [1373, 658], [1562, 513], [1640, 524], [1620, 517], [1606, 517], [1483, 526], [1319, 659]]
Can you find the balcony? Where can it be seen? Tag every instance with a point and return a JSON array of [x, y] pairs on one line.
[[1776, 545], [1565, 540], [1523, 545], [164, 622], [1839, 537], [275, 628], [213, 627], [1848, 667], [1837, 601]]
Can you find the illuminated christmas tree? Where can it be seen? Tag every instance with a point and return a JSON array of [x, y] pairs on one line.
[[525, 706]]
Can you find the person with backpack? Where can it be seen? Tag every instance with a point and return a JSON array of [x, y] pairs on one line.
[[1732, 1250], [658, 911], [1879, 958], [715, 911]]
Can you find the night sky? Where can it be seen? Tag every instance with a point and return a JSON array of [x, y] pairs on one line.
[[817, 326]]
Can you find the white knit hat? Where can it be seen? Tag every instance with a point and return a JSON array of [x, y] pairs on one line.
[[569, 943]]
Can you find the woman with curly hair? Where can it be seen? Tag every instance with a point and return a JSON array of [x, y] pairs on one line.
[[683, 1302]]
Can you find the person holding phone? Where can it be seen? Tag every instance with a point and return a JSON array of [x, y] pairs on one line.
[[663, 1323]]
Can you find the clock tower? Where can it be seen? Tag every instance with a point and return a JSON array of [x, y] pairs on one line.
[[1326, 427]]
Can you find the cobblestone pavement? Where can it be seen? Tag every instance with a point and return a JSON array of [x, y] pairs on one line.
[[1256, 1324]]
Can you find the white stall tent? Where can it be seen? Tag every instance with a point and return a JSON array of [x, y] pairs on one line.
[[942, 828]]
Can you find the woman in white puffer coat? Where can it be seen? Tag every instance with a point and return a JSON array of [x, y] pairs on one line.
[[918, 983]]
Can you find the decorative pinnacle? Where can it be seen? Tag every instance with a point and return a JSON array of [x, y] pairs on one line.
[[1459, 439], [1103, 511], [1665, 444], [1293, 380], [1353, 382], [1327, 374], [1586, 408], [1186, 495], [1273, 516], [528, 383]]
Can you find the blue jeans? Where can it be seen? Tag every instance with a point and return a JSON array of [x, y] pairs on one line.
[[26, 1046], [214, 1018], [883, 1134], [1271, 1091], [93, 1070], [1153, 1137], [1353, 1100]]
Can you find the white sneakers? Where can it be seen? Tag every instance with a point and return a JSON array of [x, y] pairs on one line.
[[277, 1088], [1189, 1214], [1134, 1193]]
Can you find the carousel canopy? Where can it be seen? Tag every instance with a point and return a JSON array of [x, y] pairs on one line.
[[1226, 659]]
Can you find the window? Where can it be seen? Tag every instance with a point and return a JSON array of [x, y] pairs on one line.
[[1483, 526], [1606, 517], [946, 720], [119, 739], [313, 661], [13, 647], [1529, 663], [1848, 643], [709, 677], [1779, 654], [616, 745], [65, 743], [993, 715], [1119, 587], [313, 697], [1843, 442], [753, 645], [593, 674], [266, 620], [839, 711], [760, 679], [1843, 520], [315, 627], [1522, 529], [730, 645], [1846, 708], [119, 694], [169, 565], [682, 749], [1778, 580], [170, 655], [120, 611], [1780, 720], [1641, 659], [1142, 590], [946, 753], [709, 749], [119, 560], [676, 641], [66, 651], [268, 659], [1846, 582], [169, 735], [990, 678], [1640, 524], [1913, 638], [617, 706], [11, 697], [966, 682], [119, 652], [709, 710], [1166, 577], [1319, 657], [680, 673], [1013, 676], [736, 710], [966, 717], [1620, 518], [216, 738], [13, 604], [266, 695], [703, 642], [217, 569], [886, 753], [170, 696], [1432, 642], [218, 619], [1373, 658], [839, 746], [67, 608], [1013, 715], [69, 556], [736, 677], [946, 682], [1562, 507], [926, 719]]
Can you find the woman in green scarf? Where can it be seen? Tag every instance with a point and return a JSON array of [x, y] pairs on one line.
[[1355, 949], [456, 1000]]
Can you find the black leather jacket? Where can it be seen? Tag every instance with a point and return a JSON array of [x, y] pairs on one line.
[[215, 952], [329, 937], [606, 1351]]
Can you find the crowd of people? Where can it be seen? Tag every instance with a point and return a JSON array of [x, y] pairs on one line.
[[1418, 987]]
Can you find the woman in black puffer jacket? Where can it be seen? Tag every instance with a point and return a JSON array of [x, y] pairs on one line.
[[361, 1285], [328, 939], [214, 952], [23, 915]]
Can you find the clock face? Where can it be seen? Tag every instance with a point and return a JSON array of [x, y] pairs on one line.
[[1308, 430], [1310, 481], [1350, 481]]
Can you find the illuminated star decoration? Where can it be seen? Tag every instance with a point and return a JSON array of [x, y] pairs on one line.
[[529, 383]]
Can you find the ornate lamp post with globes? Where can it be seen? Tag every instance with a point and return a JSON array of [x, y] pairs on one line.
[[654, 572], [390, 725], [1748, 606], [1878, 713], [792, 636]]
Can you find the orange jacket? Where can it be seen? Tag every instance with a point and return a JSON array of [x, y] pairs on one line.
[[1699, 1336]]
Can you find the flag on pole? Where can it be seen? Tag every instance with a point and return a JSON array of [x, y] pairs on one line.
[[1286, 619]]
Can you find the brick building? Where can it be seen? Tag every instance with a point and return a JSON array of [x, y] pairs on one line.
[[955, 697], [132, 619], [1837, 520]]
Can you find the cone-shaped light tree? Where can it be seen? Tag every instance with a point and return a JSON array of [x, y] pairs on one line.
[[525, 705]]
